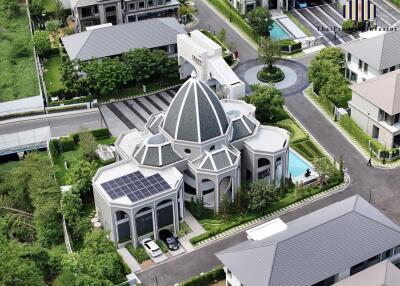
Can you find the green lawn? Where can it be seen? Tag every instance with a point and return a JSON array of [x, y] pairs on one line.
[[8, 167], [52, 75], [18, 77]]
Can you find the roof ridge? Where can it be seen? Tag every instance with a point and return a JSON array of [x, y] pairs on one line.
[[226, 251], [84, 43], [378, 222]]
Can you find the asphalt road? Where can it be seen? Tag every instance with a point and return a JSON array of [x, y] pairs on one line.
[[60, 124], [381, 185]]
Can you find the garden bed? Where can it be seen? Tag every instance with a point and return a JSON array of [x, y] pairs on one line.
[[273, 75], [52, 76]]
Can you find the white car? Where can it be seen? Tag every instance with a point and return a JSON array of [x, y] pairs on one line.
[[151, 247]]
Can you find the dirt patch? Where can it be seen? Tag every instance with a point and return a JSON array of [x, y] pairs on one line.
[[146, 264]]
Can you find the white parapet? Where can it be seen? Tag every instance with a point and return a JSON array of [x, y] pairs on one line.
[[266, 229]]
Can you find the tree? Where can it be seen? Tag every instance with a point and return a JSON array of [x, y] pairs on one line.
[[222, 35], [59, 12], [97, 263], [41, 42], [71, 207], [268, 102], [331, 54], [241, 203], [337, 90], [53, 26], [225, 208], [270, 52], [320, 72], [140, 65], [73, 83], [37, 10], [325, 170], [261, 195], [166, 67], [260, 21], [80, 175], [88, 144]]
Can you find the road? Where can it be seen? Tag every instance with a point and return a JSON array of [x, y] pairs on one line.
[[60, 124], [381, 184]]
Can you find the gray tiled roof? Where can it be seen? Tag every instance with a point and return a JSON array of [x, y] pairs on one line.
[[156, 155], [195, 114], [381, 274], [315, 246], [380, 52], [115, 40], [217, 160], [242, 127]]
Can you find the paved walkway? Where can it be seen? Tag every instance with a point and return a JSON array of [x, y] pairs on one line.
[[196, 228], [129, 260]]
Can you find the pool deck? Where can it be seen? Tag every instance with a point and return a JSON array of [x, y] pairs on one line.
[[288, 26]]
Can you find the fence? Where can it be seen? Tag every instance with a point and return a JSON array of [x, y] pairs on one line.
[[311, 42]]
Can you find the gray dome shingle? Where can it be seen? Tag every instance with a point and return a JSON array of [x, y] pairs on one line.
[[195, 114]]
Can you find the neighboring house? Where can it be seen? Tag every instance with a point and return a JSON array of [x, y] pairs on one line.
[[200, 148], [94, 12], [245, 6], [317, 249], [381, 274], [375, 107], [368, 58], [160, 33]]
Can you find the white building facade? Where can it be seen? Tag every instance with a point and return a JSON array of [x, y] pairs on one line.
[[200, 148]]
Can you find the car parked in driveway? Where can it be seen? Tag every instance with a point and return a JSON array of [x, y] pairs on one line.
[[169, 239], [151, 247]]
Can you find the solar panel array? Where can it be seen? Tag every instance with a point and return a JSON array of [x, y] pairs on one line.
[[135, 186]]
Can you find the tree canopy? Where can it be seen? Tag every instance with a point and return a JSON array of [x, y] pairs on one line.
[[260, 20], [261, 194], [270, 51]]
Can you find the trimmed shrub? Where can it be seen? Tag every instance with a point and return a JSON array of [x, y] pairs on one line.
[[139, 253], [274, 75], [205, 279], [67, 144], [290, 46], [101, 133], [54, 149]]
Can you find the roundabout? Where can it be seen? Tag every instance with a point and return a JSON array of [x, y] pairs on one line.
[[294, 81]]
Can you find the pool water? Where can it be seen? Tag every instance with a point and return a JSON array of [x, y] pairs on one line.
[[297, 165], [277, 33]]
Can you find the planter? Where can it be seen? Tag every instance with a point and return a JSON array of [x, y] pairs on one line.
[[273, 75]]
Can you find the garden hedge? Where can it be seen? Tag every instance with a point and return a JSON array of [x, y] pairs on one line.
[[67, 144], [207, 278]]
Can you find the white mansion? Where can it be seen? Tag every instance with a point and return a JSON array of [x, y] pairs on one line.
[[200, 147]]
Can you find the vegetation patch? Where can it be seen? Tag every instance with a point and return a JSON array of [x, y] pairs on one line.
[[52, 75], [296, 133], [299, 24], [273, 75], [18, 77], [139, 253], [207, 278]]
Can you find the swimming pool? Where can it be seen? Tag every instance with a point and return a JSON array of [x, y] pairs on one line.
[[297, 165], [277, 33]]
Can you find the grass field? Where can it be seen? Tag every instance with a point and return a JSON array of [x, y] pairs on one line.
[[53, 74], [17, 73]]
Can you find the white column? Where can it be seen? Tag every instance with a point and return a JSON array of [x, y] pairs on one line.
[[155, 227], [133, 230]]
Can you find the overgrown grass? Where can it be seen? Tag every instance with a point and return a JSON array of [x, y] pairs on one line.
[[299, 24], [52, 76], [17, 66]]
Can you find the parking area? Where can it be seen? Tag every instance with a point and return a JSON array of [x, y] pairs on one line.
[[121, 116]]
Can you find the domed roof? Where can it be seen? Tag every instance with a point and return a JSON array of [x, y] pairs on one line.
[[195, 113], [156, 151]]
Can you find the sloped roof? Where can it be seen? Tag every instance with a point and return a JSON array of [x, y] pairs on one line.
[[380, 52], [195, 114], [217, 160], [315, 246], [115, 40], [381, 274], [243, 126], [382, 91], [156, 151]]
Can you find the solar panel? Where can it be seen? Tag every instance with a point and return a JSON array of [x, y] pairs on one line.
[[135, 186]]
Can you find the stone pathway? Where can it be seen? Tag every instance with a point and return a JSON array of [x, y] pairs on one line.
[[196, 228], [129, 259]]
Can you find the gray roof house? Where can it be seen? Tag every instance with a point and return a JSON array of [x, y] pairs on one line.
[[314, 248], [381, 274], [370, 57], [115, 40]]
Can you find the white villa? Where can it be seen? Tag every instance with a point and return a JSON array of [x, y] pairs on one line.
[[318, 249], [200, 147], [367, 58], [375, 107]]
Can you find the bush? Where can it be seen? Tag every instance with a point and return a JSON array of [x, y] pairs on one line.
[[274, 75], [139, 253], [207, 278], [67, 144], [101, 133], [54, 150], [290, 46], [42, 43], [61, 93]]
